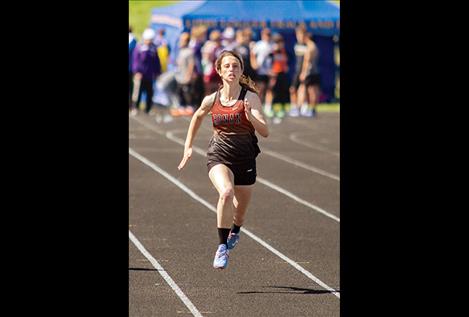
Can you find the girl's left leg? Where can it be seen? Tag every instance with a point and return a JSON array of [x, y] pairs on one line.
[[241, 199]]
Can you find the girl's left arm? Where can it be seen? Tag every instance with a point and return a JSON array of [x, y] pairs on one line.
[[255, 114]]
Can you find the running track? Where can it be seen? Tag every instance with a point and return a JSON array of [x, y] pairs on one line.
[[287, 262]]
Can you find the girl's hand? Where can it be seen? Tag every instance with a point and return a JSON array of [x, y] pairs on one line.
[[186, 157], [247, 108]]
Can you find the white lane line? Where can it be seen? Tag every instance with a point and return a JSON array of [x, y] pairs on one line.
[[300, 164], [294, 138], [249, 233], [261, 180], [166, 276], [297, 199]]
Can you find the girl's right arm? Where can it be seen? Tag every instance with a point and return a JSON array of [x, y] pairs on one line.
[[196, 121]]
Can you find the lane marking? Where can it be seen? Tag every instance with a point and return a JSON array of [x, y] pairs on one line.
[[249, 233], [294, 137], [261, 180], [300, 164], [165, 275]]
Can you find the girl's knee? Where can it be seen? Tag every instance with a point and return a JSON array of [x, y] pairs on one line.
[[227, 194]]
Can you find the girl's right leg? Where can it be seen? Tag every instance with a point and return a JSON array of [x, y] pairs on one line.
[[223, 180]]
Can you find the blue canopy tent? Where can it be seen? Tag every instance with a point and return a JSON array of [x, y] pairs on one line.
[[170, 19], [321, 17]]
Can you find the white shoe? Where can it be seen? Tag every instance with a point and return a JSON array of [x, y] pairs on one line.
[[276, 120], [307, 113], [294, 112], [167, 118]]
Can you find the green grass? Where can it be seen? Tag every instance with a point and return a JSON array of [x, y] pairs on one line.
[[140, 14], [321, 107], [328, 107]]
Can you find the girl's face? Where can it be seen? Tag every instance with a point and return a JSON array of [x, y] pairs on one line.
[[230, 69]]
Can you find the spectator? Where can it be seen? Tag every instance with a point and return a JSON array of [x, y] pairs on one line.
[[163, 49], [261, 61], [228, 41], [198, 37], [243, 39], [185, 63], [306, 78], [278, 77], [210, 51], [132, 44], [146, 67]]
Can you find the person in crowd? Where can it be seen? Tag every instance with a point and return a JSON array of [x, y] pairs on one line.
[[261, 61], [146, 68], [210, 51], [132, 44], [198, 37], [304, 90], [243, 39], [228, 42], [185, 63], [163, 49], [278, 81]]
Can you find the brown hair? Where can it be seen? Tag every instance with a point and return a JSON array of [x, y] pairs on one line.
[[301, 28], [244, 80]]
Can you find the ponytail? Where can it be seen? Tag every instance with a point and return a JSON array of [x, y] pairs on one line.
[[247, 83]]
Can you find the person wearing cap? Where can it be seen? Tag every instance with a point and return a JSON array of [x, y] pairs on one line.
[[228, 42], [146, 68], [132, 44]]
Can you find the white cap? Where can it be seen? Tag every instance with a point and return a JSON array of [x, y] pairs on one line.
[[148, 34], [229, 33]]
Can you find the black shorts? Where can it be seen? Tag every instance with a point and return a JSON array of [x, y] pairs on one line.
[[244, 174], [263, 79], [310, 80]]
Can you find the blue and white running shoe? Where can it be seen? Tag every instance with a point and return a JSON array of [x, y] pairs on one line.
[[221, 257], [233, 240]]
